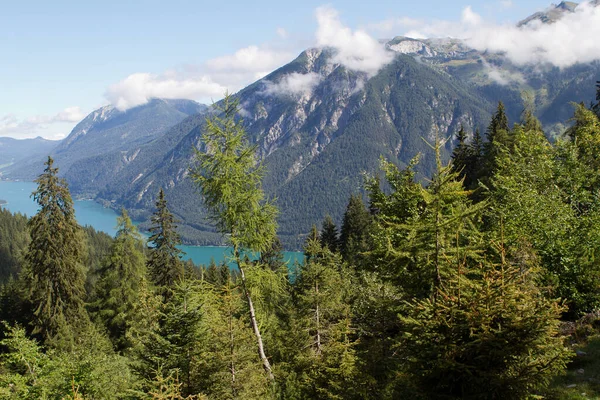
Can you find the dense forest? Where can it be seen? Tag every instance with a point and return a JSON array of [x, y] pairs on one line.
[[479, 283]]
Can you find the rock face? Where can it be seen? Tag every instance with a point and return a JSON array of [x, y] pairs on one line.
[[552, 14]]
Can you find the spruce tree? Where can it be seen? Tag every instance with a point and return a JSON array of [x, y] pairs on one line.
[[498, 137], [164, 261], [54, 258], [490, 333], [328, 360], [119, 287], [230, 179], [462, 154], [354, 232], [329, 234]]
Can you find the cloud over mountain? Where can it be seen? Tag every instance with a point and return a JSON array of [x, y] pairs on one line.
[[565, 42], [11, 125]]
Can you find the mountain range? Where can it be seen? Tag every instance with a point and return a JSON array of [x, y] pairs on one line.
[[318, 127]]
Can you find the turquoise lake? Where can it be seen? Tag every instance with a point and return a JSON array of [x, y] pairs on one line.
[[88, 212]]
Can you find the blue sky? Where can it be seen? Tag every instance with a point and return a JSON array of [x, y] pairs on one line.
[[62, 59]]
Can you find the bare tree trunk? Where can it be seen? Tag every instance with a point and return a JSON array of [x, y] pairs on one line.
[[231, 340], [261, 348], [318, 319]]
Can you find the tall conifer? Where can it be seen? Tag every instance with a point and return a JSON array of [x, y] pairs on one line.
[[54, 258], [164, 261]]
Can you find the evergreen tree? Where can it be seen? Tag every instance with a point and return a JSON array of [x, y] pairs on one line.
[[54, 259], [230, 179], [490, 333], [312, 236], [328, 362], [119, 287], [462, 154], [329, 234], [498, 137], [164, 261], [272, 257], [355, 229]]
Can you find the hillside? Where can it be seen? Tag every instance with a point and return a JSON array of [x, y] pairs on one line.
[[106, 140], [18, 150], [319, 126]]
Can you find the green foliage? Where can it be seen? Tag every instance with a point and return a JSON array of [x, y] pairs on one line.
[[328, 365], [229, 178], [26, 372], [164, 262], [54, 260], [489, 334], [355, 230], [118, 289], [329, 234], [14, 239]]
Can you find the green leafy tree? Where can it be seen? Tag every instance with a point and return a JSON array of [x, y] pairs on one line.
[[230, 177], [164, 260], [54, 260]]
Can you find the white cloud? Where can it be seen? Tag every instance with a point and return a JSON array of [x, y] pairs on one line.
[[51, 127], [502, 76], [356, 50], [205, 83], [293, 84], [138, 88], [570, 40], [70, 114]]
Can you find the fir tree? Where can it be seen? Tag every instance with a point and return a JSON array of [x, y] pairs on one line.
[[164, 261], [54, 258], [328, 360]]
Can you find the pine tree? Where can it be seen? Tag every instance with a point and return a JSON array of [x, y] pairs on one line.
[[118, 289], [329, 234], [54, 258], [230, 179], [164, 262], [354, 232]]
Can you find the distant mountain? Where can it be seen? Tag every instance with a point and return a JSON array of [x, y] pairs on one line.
[[555, 12], [317, 142], [552, 14], [18, 150], [107, 139], [318, 127]]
